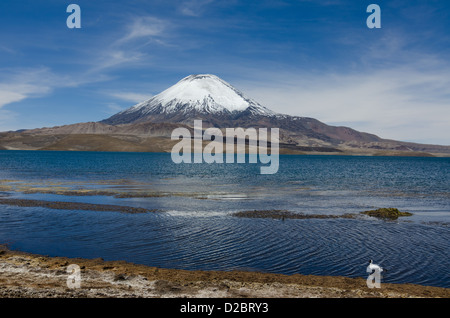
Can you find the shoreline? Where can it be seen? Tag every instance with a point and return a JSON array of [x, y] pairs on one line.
[[26, 275]]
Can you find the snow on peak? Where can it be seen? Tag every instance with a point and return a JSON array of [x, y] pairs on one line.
[[202, 92]]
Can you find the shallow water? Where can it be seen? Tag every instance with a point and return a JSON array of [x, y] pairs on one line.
[[196, 230]]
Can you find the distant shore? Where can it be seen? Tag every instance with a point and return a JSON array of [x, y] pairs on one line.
[[282, 151], [25, 275], [101, 139]]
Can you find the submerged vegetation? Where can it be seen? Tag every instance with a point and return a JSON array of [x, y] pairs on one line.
[[100, 188], [141, 191], [386, 213], [74, 206], [383, 213], [282, 214]]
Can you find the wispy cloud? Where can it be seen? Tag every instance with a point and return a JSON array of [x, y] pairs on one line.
[[113, 58], [131, 97], [137, 33], [18, 85], [194, 8], [143, 28]]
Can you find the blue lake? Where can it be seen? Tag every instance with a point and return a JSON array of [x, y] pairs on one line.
[[196, 228]]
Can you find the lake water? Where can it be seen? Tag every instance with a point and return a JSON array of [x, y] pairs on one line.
[[196, 229]]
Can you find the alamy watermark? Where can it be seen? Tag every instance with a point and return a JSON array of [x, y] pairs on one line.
[[374, 19], [374, 279], [74, 19], [74, 279], [256, 141]]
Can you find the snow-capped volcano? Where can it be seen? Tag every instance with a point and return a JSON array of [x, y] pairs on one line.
[[206, 93], [219, 104], [193, 95], [148, 126]]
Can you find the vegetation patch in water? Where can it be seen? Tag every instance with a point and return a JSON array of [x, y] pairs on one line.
[[74, 206], [282, 214], [386, 213]]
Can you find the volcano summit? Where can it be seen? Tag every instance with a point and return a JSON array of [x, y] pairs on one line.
[[194, 95]]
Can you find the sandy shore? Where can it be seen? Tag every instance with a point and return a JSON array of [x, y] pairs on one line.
[[24, 275]]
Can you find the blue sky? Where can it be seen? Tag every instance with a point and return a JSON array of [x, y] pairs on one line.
[[307, 58]]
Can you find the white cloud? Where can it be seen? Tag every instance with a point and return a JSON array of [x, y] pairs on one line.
[[405, 103], [131, 97], [7, 96], [18, 85]]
